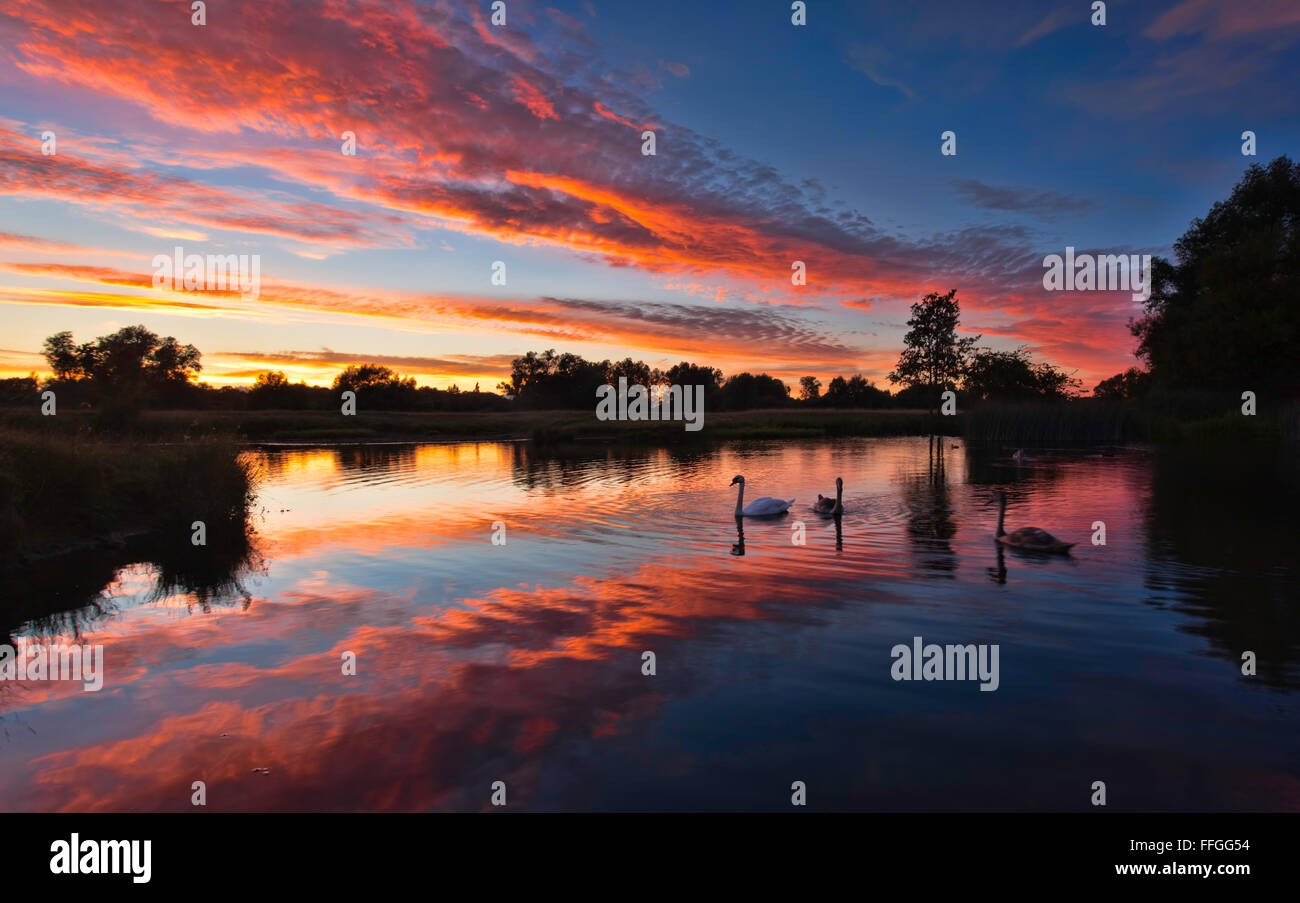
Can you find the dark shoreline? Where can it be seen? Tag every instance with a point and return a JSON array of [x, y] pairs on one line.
[[73, 490], [315, 427], [1083, 420]]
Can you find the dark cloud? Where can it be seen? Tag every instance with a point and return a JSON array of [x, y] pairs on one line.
[[1020, 200]]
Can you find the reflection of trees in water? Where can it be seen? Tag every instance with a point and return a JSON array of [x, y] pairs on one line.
[[212, 574], [278, 464], [268, 464], [930, 523], [990, 464], [375, 459], [63, 596], [532, 468], [1222, 530], [555, 467]]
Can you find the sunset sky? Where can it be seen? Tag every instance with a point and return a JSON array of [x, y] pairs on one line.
[[522, 144]]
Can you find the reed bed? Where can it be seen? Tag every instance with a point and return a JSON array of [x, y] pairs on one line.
[[61, 487]]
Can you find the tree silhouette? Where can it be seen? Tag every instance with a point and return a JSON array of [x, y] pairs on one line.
[[934, 358], [1224, 315]]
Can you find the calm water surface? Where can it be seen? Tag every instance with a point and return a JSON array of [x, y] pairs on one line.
[[522, 662]]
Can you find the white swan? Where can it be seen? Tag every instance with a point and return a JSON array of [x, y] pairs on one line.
[[764, 507]]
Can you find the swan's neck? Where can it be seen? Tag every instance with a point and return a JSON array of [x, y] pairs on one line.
[[1002, 513], [839, 496], [740, 498]]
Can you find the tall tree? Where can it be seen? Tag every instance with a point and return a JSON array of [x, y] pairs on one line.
[[933, 356], [362, 376], [380, 387], [747, 391], [133, 359], [1132, 383], [636, 372], [566, 381], [62, 355], [1223, 316], [688, 374], [1014, 376]]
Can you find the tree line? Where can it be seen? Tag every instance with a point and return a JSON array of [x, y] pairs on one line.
[[936, 360], [1221, 317], [546, 380], [1224, 315], [134, 369]]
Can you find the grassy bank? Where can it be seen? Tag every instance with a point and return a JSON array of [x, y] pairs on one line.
[[1084, 420], [762, 424], [1155, 420], [61, 488], [331, 426]]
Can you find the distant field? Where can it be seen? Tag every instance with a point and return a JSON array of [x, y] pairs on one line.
[[1083, 420], [330, 426]]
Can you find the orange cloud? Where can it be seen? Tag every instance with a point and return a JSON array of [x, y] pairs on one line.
[[534, 99], [457, 126]]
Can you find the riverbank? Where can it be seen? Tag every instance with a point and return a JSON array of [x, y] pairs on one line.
[[68, 490], [1084, 420], [313, 427]]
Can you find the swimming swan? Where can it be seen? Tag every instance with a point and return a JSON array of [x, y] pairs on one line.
[[764, 507], [1031, 539], [826, 505]]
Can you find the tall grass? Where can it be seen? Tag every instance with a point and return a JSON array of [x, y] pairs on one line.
[[778, 423], [331, 426], [1080, 421], [61, 487], [1174, 417], [1291, 421]]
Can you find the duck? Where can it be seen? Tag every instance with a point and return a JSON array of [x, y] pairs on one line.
[[1031, 539], [764, 507], [831, 506], [1019, 457]]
